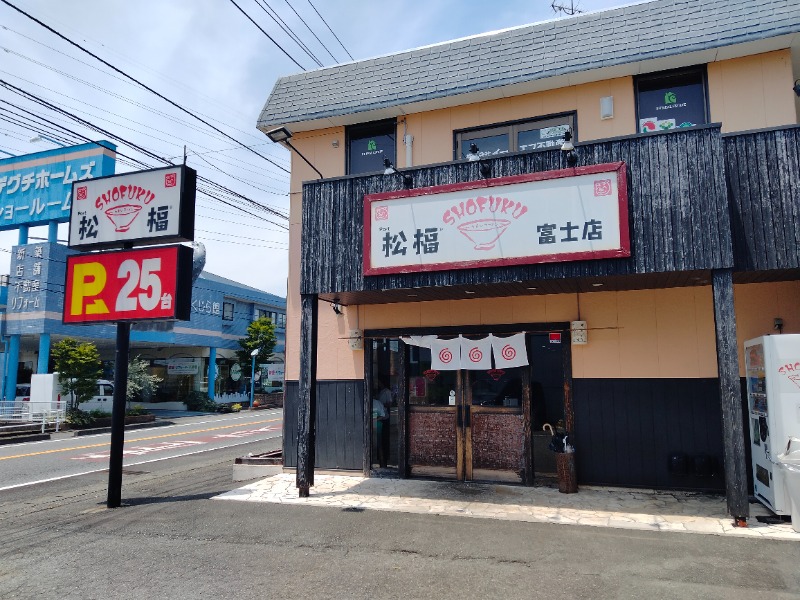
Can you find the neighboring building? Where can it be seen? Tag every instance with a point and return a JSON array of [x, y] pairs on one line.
[[178, 351], [689, 110]]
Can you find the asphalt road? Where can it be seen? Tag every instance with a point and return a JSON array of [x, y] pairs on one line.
[[171, 540], [68, 456]]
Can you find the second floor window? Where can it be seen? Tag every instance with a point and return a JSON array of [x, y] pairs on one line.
[[671, 100], [545, 133], [369, 144]]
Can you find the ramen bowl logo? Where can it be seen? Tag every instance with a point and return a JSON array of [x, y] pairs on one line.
[[495, 215], [484, 233], [123, 203], [122, 216]]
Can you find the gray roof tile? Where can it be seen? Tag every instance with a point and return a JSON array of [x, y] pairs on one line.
[[609, 38]]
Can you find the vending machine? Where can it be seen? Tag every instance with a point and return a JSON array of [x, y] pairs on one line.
[[772, 365]]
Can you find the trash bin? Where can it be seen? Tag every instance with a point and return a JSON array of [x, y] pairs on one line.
[[567, 476], [790, 464]]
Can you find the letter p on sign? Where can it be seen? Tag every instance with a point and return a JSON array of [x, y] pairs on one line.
[[89, 280]]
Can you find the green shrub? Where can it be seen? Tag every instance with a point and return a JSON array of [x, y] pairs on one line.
[[236, 407], [78, 418], [199, 401], [136, 411]]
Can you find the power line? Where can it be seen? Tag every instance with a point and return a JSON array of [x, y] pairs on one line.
[[321, 43], [249, 18], [329, 29], [138, 148], [149, 89], [272, 14]]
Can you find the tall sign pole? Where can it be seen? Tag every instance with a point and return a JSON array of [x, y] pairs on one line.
[[124, 286], [118, 415]]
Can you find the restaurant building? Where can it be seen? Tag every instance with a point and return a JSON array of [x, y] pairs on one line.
[[447, 243]]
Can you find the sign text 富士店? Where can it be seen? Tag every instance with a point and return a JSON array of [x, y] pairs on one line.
[[554, 216]]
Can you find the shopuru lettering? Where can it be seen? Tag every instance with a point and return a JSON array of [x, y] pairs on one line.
[[124, 192], [482, 205]]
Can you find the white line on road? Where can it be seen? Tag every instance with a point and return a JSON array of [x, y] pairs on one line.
[[134, 464]]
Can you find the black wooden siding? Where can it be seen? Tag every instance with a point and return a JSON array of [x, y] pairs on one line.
[[678, 210], [763, 178], [339, 424], [627, 429]]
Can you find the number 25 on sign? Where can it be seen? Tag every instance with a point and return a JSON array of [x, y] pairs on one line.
[[129, 285]]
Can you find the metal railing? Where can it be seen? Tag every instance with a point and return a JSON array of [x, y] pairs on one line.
[[22, 417]]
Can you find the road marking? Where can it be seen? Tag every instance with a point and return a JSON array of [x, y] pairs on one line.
[[143, 462], [154, 437]]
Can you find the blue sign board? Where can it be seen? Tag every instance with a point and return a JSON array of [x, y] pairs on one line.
[[37, 188]]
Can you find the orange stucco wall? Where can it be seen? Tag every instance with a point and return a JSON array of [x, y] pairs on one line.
[[746, 93], [666, 333]]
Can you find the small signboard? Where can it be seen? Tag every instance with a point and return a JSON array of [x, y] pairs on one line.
[[553, 216], [130, 285], [141, 208]]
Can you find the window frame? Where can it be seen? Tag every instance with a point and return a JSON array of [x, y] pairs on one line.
[[233, 310], [673, 73], [513, 128], [361, 131]]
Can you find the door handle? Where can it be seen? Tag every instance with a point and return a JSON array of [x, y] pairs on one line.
[[459, 420], [466, 416]]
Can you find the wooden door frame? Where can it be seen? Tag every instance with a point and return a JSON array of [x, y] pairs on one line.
[[404, 469]]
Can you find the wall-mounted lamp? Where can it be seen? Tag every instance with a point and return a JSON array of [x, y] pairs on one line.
[[337, 308], [473, 154], [778, 324], [389, 169], [797, 87], [281, 135], [569, 149]]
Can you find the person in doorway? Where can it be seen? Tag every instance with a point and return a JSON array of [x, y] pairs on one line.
[[381, 419], [385, 398]]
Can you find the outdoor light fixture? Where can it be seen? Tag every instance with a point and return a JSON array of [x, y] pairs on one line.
[[281, 135], [569, 149], [389, 169], [797, 87], [778, 324], [336, 308], [473, 153]]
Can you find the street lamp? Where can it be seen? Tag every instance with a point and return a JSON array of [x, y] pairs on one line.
[[253, 355]]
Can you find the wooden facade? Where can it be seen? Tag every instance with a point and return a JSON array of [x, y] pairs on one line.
[[701, 206]]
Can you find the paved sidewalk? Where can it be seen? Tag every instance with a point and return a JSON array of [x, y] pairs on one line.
[[594, 506]]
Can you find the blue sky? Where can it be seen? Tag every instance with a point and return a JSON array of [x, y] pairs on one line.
[[206, 56]]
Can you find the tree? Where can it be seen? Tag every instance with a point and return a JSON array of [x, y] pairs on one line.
[[79, 368], [261, 336], [140, 382]]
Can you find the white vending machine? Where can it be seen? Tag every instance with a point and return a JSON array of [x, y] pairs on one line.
[[772, 365]]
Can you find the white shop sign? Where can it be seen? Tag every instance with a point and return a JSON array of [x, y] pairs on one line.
[[573, 214], [145, 207]]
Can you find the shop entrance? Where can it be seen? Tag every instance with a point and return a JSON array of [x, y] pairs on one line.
[[468, 425]]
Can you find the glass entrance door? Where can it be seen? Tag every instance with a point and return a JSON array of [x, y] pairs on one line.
[[468, 425]]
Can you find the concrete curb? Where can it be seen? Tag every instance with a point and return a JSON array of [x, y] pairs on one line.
[[21, 439], [99, 430]]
